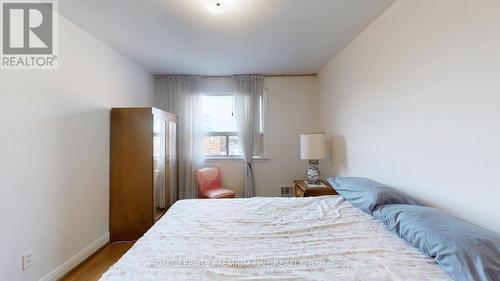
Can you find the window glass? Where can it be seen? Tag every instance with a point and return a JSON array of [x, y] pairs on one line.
[[215, 146], [218, 114], [219, 123], [234, 147]]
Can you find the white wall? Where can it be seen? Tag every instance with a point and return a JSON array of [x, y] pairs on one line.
[[292, 109], [414, 102], [54, 153]]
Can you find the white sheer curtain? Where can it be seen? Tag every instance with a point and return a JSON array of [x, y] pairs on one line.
[[181, 94], [247, 92]]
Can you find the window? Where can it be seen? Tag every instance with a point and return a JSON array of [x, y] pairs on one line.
[[219, 123]]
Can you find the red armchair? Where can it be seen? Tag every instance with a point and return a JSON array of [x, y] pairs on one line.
[[209, 184]]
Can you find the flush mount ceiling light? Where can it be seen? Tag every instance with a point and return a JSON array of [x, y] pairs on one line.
[[217, 7]]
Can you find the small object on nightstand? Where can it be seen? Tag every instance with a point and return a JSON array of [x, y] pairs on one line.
[[318, 184], [303, 189]]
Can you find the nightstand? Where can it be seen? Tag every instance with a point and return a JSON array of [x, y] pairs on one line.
[[302, 190]]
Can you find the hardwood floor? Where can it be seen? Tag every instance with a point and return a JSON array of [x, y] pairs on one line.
[[93, 267]]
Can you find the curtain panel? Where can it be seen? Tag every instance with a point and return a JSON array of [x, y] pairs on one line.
[[248, 89], [181, 95]]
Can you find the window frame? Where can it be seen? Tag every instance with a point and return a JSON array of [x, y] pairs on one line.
[[226, 148], [265, 97], [264, 116]]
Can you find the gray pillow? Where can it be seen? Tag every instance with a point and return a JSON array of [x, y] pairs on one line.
[[465, 251], [367, 194]]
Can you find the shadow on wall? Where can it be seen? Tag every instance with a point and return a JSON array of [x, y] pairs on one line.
[[338, 155], [81, 159]]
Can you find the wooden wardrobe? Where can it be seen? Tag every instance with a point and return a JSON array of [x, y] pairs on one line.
[[143, 169]]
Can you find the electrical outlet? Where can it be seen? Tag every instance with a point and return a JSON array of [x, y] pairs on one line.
[[28, 259]]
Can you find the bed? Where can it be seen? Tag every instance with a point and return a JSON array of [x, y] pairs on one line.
[[313, 238]]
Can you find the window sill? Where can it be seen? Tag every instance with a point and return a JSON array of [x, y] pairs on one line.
[[259, 159]]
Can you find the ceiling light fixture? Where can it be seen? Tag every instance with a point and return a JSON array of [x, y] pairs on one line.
[[217, 7]]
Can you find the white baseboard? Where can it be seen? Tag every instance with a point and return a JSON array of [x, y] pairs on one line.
[[76, 259]]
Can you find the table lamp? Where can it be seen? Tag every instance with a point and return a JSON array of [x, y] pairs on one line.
[[313, 148]]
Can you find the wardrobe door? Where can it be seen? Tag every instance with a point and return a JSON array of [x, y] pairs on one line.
[[172, 152], [159, 166]]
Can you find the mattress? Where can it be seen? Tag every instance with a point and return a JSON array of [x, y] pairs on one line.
[[313, 238]]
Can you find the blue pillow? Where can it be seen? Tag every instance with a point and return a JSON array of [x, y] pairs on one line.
[[367, 194], [465, 251]]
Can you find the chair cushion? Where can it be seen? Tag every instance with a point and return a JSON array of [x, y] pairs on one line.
[[208, 178], [219, 193]]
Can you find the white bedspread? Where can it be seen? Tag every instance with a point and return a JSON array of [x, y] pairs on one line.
[[314, 238]]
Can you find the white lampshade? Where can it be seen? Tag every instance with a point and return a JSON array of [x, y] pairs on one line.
[[312, 146]]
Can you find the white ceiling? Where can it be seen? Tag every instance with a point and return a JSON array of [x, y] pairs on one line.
[[251, 36]]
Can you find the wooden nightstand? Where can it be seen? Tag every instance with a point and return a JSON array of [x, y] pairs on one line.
[[302, 190]]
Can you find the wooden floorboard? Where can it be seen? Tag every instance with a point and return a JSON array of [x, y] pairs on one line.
[[93, 267]]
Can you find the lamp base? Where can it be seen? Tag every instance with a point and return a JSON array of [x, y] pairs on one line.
[[313, 174]]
